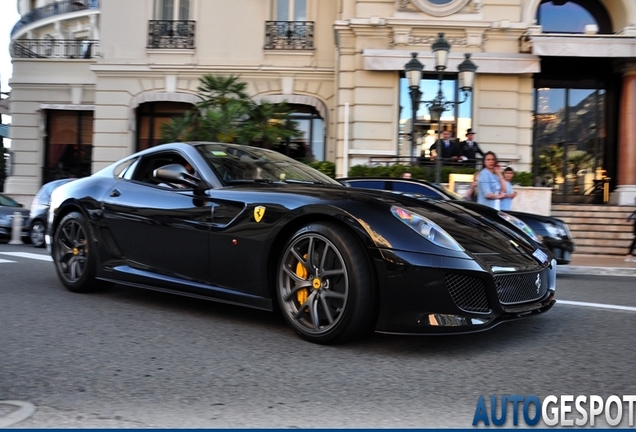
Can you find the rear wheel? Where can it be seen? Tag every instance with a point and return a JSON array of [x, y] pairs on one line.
[[36, 234], [74, 254], [324, 287]]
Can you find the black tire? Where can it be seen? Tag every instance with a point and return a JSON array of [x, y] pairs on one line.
[[324, 285], [75, 255], [36, 234]]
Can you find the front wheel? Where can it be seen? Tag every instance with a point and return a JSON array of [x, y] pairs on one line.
[[74, 254], [325, 287], [36, 234]]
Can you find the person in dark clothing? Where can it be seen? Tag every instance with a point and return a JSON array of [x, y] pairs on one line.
[[450, 149], [470, 149]]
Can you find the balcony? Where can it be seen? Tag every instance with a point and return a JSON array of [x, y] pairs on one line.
[[289, 35], [55, 48], [53, 9], [165, 34]]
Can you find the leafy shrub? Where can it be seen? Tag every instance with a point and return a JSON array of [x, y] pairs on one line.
[[325, 167], [417, 172], [523, 178]]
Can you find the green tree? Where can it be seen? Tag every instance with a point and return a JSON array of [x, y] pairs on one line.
[[226, 114], [268, 124]]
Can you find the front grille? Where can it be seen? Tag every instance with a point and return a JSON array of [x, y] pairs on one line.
[[468, 292], [521, 287]]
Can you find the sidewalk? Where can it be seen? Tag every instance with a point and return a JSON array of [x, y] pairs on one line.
[[600, 265]]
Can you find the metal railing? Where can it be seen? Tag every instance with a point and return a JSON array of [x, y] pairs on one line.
[[169, 34], [289, 35], [423, 162], [52, 9], [55, 48]]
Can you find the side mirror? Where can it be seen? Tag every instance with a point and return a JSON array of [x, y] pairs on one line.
[[176, 173]]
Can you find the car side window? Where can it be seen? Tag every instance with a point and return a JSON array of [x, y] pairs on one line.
[[415, 188], [144, 169], [368, 184], [125, 170]]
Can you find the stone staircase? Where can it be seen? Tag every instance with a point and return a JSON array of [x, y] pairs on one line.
[[597, 229]]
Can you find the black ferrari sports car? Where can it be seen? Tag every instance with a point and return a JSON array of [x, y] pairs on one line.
[[553, 232], [190, 218]]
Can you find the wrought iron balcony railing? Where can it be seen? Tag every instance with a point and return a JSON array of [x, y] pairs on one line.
[[55, 48], [52, 9], [164, 34], [289, 35]]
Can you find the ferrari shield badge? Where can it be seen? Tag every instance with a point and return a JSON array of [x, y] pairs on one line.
[[259, 212]]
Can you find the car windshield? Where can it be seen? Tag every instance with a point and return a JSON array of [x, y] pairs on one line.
[[7, 201], [240, 163]]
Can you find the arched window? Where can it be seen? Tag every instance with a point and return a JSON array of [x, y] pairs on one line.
[[563, 16], [150, 117]]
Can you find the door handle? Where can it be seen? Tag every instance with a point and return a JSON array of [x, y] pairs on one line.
[[115, 193]]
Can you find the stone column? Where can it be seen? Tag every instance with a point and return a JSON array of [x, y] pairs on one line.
[[625, 193]]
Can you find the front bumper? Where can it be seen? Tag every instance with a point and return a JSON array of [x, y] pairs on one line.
[[423, 294]]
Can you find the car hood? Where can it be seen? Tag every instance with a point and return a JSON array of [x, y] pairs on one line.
[[476, 233]]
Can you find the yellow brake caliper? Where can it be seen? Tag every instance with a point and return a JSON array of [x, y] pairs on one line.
[[302, 273]]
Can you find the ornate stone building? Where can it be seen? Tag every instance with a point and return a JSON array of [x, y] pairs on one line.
[[555, 84]]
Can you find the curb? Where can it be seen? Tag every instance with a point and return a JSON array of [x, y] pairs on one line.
[[596, 271]]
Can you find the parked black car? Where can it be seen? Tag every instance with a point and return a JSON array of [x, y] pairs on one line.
[[40, 211], [249, 226], [553, 232], [8, 206]]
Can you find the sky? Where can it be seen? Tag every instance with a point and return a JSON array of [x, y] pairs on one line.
[[8, 17]]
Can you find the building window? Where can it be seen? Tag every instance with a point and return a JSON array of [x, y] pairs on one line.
[[291, 10], [569, 140], [150, 117], [172, 10], [456, 120], [311, 145], [572, 16], [69, 144]]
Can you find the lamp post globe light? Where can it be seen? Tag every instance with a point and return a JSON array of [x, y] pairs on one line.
[[413, 71], [466, 78]]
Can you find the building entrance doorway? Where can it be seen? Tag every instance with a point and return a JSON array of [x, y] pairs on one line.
[[574, 135]]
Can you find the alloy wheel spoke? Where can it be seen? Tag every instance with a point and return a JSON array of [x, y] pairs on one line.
[[305, 305], [334, 294], [325, 308], [298, 287], [334, 272], [313, 311], [294, 276]]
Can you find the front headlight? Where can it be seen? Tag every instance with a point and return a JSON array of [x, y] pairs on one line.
[[426, 228], [521, 225], [5, 219]]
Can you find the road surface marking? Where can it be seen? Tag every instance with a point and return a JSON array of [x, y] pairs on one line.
[[597, 305], [28, 255], [5, 261]]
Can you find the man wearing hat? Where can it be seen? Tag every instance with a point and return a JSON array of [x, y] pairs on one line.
[[470, 149]]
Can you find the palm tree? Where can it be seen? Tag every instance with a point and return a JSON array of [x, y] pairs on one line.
[[226, 114], [268, 124], [217, 91]]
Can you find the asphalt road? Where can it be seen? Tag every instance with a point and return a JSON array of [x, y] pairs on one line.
[[132, 358]]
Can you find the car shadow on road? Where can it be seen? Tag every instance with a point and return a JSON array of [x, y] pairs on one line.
[[524, 331]]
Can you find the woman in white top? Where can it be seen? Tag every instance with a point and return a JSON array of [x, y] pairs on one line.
[[491, 182]]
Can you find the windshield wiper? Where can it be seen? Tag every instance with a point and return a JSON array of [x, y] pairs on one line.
[[302, 181]]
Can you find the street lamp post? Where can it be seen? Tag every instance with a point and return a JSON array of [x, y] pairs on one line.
[[437, 106], [413, 71]]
